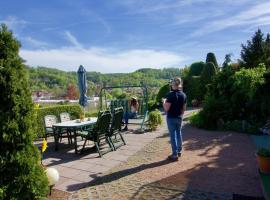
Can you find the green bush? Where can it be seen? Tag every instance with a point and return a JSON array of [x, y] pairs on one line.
[[195, 120], [154, 119], [21, 174], [73, 110], [235, 125], [264, 152], [91, 114]]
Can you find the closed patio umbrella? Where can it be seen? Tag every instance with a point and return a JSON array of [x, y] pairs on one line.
[[82, 83]]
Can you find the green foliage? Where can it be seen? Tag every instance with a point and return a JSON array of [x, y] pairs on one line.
[[227, 61], [196, 69], [235, 125], [91, 114], [152, 105], [232, 97], [194, 89], [263, 152], [154, 119], [73, 110], [214, 110], [243, 97], [256, 51], [196, 120], [207, 75], [210, 57], [163, 91], [22, 176], [57, 81]]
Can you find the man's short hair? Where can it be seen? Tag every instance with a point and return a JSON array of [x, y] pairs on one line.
[[177, 81]]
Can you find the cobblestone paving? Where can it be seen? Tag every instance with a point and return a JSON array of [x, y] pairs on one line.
[[122, 181]]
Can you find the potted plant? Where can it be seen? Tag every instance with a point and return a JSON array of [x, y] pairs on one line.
[[263, 159]]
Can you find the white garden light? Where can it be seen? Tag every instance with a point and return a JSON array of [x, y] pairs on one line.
[[53, 176]]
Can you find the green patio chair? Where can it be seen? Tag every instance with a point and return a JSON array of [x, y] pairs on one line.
[[99, 133], [115, 129]]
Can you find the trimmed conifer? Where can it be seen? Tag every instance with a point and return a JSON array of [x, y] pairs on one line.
[[21, 174], [207, 75], [210, 57]]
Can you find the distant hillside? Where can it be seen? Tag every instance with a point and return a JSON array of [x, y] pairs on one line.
[[57, 81]]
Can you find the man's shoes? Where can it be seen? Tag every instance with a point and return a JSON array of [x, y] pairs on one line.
[[172, 158], [179, 154], [125, 129]]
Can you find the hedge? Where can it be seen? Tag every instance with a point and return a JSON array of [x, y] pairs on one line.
[[73, 110]]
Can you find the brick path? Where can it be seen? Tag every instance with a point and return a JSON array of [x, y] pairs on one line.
[[214, 165]]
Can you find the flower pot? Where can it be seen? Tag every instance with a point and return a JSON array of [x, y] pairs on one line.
[[264, 164]]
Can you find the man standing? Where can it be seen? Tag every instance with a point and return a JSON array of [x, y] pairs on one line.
[[175, 106]]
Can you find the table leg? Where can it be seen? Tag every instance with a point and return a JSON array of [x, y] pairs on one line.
[[56, 138]]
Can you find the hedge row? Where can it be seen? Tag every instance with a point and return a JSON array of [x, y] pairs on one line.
[[73, 110]]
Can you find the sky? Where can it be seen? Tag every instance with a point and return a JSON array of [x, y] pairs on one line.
[[112, 36]]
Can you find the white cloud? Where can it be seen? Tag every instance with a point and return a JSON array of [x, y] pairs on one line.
[[252, 17], [35, 43], [101, 60], [72, 39], [13, 23]]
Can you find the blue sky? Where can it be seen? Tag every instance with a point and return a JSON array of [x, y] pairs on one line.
[[123, 35]]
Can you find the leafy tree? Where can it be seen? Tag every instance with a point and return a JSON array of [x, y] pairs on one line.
[[256, 51], [196, 69], [21, 175], [72, 92], [210, 57]]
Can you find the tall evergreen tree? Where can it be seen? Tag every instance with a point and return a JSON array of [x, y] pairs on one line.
[[21, 175], [256, 51], [210, 57]]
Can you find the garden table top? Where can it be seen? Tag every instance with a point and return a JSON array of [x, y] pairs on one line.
[[72, 127]]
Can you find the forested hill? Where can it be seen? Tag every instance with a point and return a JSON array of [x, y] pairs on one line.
[[57, 81]]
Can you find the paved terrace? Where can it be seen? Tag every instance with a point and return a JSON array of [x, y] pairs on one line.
[[214, 165]]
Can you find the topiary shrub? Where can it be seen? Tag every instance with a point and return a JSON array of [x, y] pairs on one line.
[[207, 75], [21, 174], [196, 69], [210, 57], [194, 90], [163, 91], [154, 119], [74, 110]]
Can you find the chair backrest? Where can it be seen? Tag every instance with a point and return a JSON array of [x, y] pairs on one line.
[[116, 120], [49, 120], [103, 123], [65, 117]]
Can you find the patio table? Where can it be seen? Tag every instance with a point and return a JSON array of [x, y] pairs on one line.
[[72, 127]]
